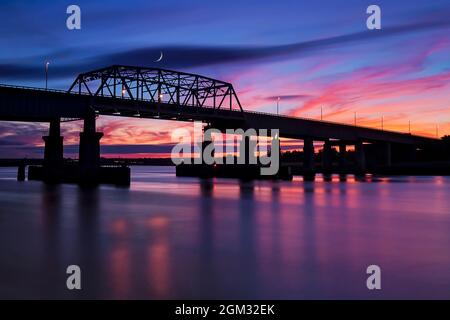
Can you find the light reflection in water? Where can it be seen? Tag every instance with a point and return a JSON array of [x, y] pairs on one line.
[[158, 263], [169, 237], [119, 268]]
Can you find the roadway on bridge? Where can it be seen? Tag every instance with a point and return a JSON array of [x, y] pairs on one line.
[[32, 104]]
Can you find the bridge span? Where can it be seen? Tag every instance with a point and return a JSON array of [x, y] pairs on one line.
[[154, 93]]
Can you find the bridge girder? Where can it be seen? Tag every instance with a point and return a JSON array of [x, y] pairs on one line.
[[157, 85]]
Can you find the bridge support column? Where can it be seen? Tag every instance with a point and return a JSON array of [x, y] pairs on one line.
[[412, 154], [360, 158], [308, 159], [247, 164], [249, 149], [274, 152], [342, 157], [89, 154], [326, 158], [53, 151], [277, 141], [387, 154], [208, 146], [205, 145]]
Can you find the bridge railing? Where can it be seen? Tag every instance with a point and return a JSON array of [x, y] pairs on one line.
[[38, 89], [334, 123], [214, 108], [88, 94], [31, 88]]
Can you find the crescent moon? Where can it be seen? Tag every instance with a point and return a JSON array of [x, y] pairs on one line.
[[160, 57]]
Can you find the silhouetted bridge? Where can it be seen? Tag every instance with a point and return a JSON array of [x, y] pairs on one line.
[[164, 94]]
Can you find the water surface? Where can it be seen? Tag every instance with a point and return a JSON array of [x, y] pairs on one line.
[[167, 237]]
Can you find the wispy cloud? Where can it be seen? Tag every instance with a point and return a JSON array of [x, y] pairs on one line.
[[180, 56]]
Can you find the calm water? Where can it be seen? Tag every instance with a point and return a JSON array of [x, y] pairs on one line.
[[169, 237]]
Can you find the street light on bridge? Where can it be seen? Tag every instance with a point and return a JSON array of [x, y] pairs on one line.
[[46, 75], [278, 104]]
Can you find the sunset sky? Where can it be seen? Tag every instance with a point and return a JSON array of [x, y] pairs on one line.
[[312, 54]]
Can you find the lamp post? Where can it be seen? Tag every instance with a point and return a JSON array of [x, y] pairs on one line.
[[46, 75], [278, 105]]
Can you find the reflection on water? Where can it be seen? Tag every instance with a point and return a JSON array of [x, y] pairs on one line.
[[169, 237]]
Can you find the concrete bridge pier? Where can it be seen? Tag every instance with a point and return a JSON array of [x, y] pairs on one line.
[[360, 158], [308, 159], [246, 149], [247, 167], [276, 140], [53, 151], [327, 161], [21, 171], [89, 153], [342, 157], [412, 153], [387, 154], [207, 146], [284, 171]]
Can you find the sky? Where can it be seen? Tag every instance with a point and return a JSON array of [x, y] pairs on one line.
[[317, 56]]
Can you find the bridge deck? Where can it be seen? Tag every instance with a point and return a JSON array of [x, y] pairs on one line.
[[33, 104]]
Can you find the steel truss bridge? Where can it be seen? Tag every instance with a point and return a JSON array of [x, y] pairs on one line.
[[157, 86], [165, 94]]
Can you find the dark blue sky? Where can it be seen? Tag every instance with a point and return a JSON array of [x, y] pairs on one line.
[[191, 33]]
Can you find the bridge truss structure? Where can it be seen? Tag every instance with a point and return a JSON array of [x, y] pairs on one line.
[[158, 86]]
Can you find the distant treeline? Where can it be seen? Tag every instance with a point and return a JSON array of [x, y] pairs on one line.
[[439, 153], [137, 161], [17, 162], [103, 161]]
